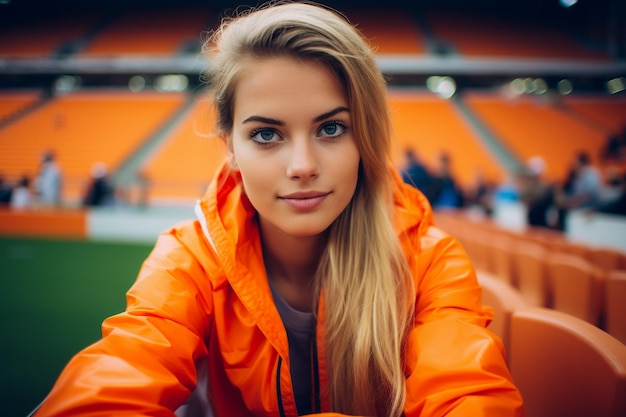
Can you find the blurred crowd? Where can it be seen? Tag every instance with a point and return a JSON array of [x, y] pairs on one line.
[[45, 189], [42, 190], [547, 203], [585, 186]]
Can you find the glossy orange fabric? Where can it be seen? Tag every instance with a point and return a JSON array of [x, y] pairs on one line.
[[202, 297]]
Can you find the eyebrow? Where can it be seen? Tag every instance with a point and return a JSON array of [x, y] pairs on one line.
[[331, 113], [319, 118]]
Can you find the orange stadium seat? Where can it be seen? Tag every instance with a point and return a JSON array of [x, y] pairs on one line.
[[615, 304], [501, 251], [529, 260], [565, 366], [577, 286], [504, 299], [608, 259]]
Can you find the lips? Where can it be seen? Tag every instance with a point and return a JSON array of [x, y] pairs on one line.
[[304, 200]]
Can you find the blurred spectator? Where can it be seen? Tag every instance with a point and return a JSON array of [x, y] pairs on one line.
[[416, 174], [508, 191], [144, 183], [615, 147], [445, 191], [481, 195], [613, 186], [563, 191], [535, 193], [616, 205], [5, 191], [22, 194], [100, 191], [48, 183], [586, 184]]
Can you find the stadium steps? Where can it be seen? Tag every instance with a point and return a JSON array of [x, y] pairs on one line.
[[25, 111], [433, 45], [128, 171], [76, 46], [576, 113], [494, 145]]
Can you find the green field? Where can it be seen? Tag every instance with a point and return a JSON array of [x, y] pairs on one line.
[[54, 295]]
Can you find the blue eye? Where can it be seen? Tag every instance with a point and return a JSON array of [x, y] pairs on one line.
[[333, 129], [264, 136]]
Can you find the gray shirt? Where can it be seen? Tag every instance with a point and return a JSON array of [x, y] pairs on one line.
[[300, 328]]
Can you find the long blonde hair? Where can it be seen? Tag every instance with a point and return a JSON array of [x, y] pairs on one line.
[[367, 287]]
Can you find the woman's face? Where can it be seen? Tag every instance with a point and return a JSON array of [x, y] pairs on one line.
[[293, 145]]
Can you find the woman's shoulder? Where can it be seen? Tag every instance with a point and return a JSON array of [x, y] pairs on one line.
[[186, 242]]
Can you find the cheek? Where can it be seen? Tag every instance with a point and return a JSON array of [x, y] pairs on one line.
[[351, 161], [242, 156], [251, 165], [257, 176]]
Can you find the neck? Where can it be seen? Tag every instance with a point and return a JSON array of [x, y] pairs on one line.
[[292, 258], [291, 263]]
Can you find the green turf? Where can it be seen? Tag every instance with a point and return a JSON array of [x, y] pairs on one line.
[[54, 295]]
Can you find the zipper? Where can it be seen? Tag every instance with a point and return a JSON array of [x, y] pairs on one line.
[[317, 399], [279, 396]]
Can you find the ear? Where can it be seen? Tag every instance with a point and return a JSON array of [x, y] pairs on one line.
[[230, 153], [232, 161]]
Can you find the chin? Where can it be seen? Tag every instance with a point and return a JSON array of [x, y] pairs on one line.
[[307, 230]]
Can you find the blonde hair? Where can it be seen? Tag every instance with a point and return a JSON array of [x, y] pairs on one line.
[[368, 290]]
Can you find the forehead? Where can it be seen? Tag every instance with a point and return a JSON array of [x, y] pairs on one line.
[[286, 83]]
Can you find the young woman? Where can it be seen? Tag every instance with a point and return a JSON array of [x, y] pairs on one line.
[[313, 281]]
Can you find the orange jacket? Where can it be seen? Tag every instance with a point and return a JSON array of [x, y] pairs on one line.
[[202, 301]]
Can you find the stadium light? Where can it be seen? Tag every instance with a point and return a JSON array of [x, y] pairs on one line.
[[517, 86], [616, 85], [540, 86], [136, 83], [443, 86], [172, 82], [67, 83], [565, 87]]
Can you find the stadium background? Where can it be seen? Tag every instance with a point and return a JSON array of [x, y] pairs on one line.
[[119, 82]]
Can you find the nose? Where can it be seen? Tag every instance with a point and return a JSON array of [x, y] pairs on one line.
[[302, 162]]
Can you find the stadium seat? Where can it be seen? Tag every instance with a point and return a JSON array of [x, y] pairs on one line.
[[565, 366], [501, 255], [503, 298], [478, 250], [530, 273], [608, 259], [576, 286], [615, 304]]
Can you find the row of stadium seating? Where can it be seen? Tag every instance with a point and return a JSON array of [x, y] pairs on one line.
[[547, 269], [164, 32]]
